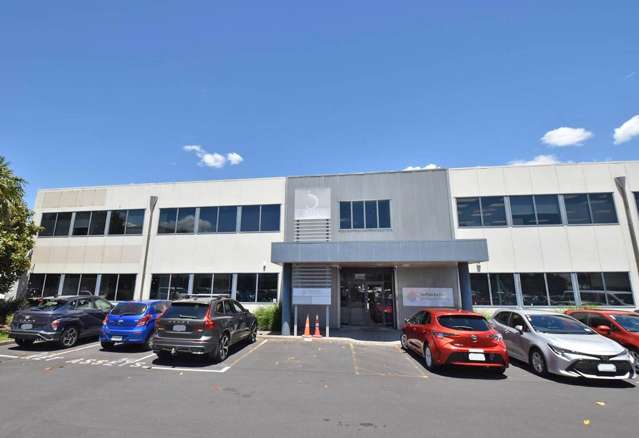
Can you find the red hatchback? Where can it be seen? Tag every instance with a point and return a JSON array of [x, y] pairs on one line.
[[618, 325], [454, 337]]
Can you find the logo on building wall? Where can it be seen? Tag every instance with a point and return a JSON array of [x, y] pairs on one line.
[[428, 297], [313, 203]]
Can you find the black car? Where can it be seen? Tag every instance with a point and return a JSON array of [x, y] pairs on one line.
[[61, 319], [203, 326]]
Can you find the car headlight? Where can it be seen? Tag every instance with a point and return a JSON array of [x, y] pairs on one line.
[[562, 352], [625, 354]]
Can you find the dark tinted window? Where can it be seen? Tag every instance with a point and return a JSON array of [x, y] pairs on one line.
[[246, 287], [208, 220], [577, 211], [493, 211], [98, 223], [502, 317], [160, 286], [560, 289], [547, 207], [81, 223], [167, 221], [523, 210], [36, 282], [48, 305], [238, 306], [270, 217], [117, 224], [418, 318], [267, 288], [371, 214], [202, 283], [516, 319], [135, 221], [597, 320], [187, 310], [179, 285], [228, 309], [591, 288], [468, 212], [87, 284], [629, 322], [71, 284], [63, 224], [558, 324], [227, 222], [358, 214], [503, 289], [345, 215], [108, 286], [464, 322], [602, 207], [129, 309], [533, 289], [479, 288], [48, 223], [581, 317], [250, 218], [51, 283], [219, 307], [383, 209], [186, 220], [222, 283], [619, 292], [126, 287]]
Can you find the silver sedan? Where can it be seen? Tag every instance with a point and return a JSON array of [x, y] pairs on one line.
[[559, 344]]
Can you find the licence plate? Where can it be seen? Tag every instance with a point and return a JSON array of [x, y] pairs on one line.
[[607, 367], [179, 328], [116, 338], [26, 326], [480, 357]]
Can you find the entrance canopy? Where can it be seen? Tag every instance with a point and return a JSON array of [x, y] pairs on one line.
[[413, 251]]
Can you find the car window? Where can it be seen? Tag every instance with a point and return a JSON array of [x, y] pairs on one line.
[[558, 324], [102, 304], [219, 307], [597, 320], [502, 317], [187, 310], [580, 316], [227, 308], [516, 319], [235, 305], [629, 322], [159, 307], [84, 303], [418, 318], [464, 322]]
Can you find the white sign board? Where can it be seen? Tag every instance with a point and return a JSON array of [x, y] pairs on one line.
[[428, 297], [312, 295], [313, 203]]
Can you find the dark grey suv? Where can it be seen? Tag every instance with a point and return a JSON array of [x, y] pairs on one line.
[[203, 326]]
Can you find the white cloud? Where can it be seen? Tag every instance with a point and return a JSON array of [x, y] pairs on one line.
[[429, 166], [631, 75], [566, 136], [538, 160], [627, 131], [212, 159], [234, 158]]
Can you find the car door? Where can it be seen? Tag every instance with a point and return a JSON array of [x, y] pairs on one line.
[[88, 315], [500, 323], [422, 330], [101, 308], [244, 318], [411, 331], [234, 322], [520, 341]]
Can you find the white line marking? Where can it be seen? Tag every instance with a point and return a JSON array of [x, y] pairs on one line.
[[223, 370], [72, 351], [142, 358], [9, 356]]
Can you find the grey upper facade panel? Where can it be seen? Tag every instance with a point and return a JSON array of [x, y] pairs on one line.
[[420, 207]]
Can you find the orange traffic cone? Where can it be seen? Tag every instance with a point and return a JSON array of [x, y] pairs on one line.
[[307, 327], [317, 333]]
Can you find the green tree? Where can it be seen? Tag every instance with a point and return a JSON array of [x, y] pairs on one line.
[[16, 228]]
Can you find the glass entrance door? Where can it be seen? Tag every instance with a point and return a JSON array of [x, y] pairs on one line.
[[367, 297]]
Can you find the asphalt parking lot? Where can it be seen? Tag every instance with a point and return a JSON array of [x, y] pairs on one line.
[[290, 387]]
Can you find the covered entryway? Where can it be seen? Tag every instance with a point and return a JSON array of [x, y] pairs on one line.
[[367, 297]]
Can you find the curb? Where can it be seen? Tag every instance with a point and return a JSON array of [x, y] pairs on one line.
[[332, 339], [7, 342]]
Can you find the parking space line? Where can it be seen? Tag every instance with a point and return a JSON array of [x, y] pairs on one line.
[[354, 357], [9, 356], [95, 344], [249, 352], [419, 369], [142, 358], [195, 370]]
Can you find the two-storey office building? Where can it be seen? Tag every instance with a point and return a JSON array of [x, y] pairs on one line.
[[360, 249]]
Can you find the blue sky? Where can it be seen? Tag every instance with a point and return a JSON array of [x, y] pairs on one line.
[[111, 92]]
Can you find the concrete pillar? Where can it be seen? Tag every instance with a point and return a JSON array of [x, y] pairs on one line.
[[464, 286], [286, 297]]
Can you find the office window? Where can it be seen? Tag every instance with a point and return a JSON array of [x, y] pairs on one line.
[[222, 283], [179, 285], [602, 207], [185, 221], [266, 288], [577, 211], [503, 289], [523, 210], [108, 286], [51, 283], [62, 224], [468, 212], [383, 209], [547, 208], [117, 224], [618, 290], [533, 289], [358, 214], [35, 285], [202, 283], [560, 289], [345, 215], [126, 287], [208, 220], [493, 211], [270, 217], [98, 223], [591, 288], [134, 221], [87, 284], [480, 289], [48, 224], [81, 223], [227, 220], [370, 208], [250, 220], [160, 286], [71, 284], [246, 284], [167, 222]]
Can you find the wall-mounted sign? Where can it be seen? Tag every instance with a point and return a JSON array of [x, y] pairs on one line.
[[428, 297], [313, 203], [312, 295]]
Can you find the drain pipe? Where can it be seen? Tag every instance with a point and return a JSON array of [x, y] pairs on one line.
[[620, 182], [153, 200]]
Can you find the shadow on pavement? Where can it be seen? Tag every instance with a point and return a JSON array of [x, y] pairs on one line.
[[48, 346], [184, 360], [461, 372]]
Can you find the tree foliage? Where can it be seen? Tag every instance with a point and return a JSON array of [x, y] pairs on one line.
[[16, 228]]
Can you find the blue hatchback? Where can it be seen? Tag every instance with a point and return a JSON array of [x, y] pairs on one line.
[[131, 322]]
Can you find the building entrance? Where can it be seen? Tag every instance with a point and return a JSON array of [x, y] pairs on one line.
[[367, 297]]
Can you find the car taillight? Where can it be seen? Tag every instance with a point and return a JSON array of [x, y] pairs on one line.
[[208, 322], [144, 320], [442, 335], [55, 324]]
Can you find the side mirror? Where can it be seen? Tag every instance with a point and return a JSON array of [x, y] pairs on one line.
[[520, 329], [406, 321], [603, 329]]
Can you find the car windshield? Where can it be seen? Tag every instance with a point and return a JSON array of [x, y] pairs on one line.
[[47, 305], [129, 309], [557, 324], [629, 322], [464, 322], [187, 310]]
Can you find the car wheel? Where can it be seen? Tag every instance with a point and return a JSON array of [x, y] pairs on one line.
[[635, 354], [24, 342], [537, 362], [222, 351], [253, 334], [69, 337], [106, 345], [404, 341], [164, 356], [148, 345], [429, 361]]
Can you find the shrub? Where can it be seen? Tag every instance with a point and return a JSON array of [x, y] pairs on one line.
[[7, 308], [269, 318]]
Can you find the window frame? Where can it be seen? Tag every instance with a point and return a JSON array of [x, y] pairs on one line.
[[364, 203]]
